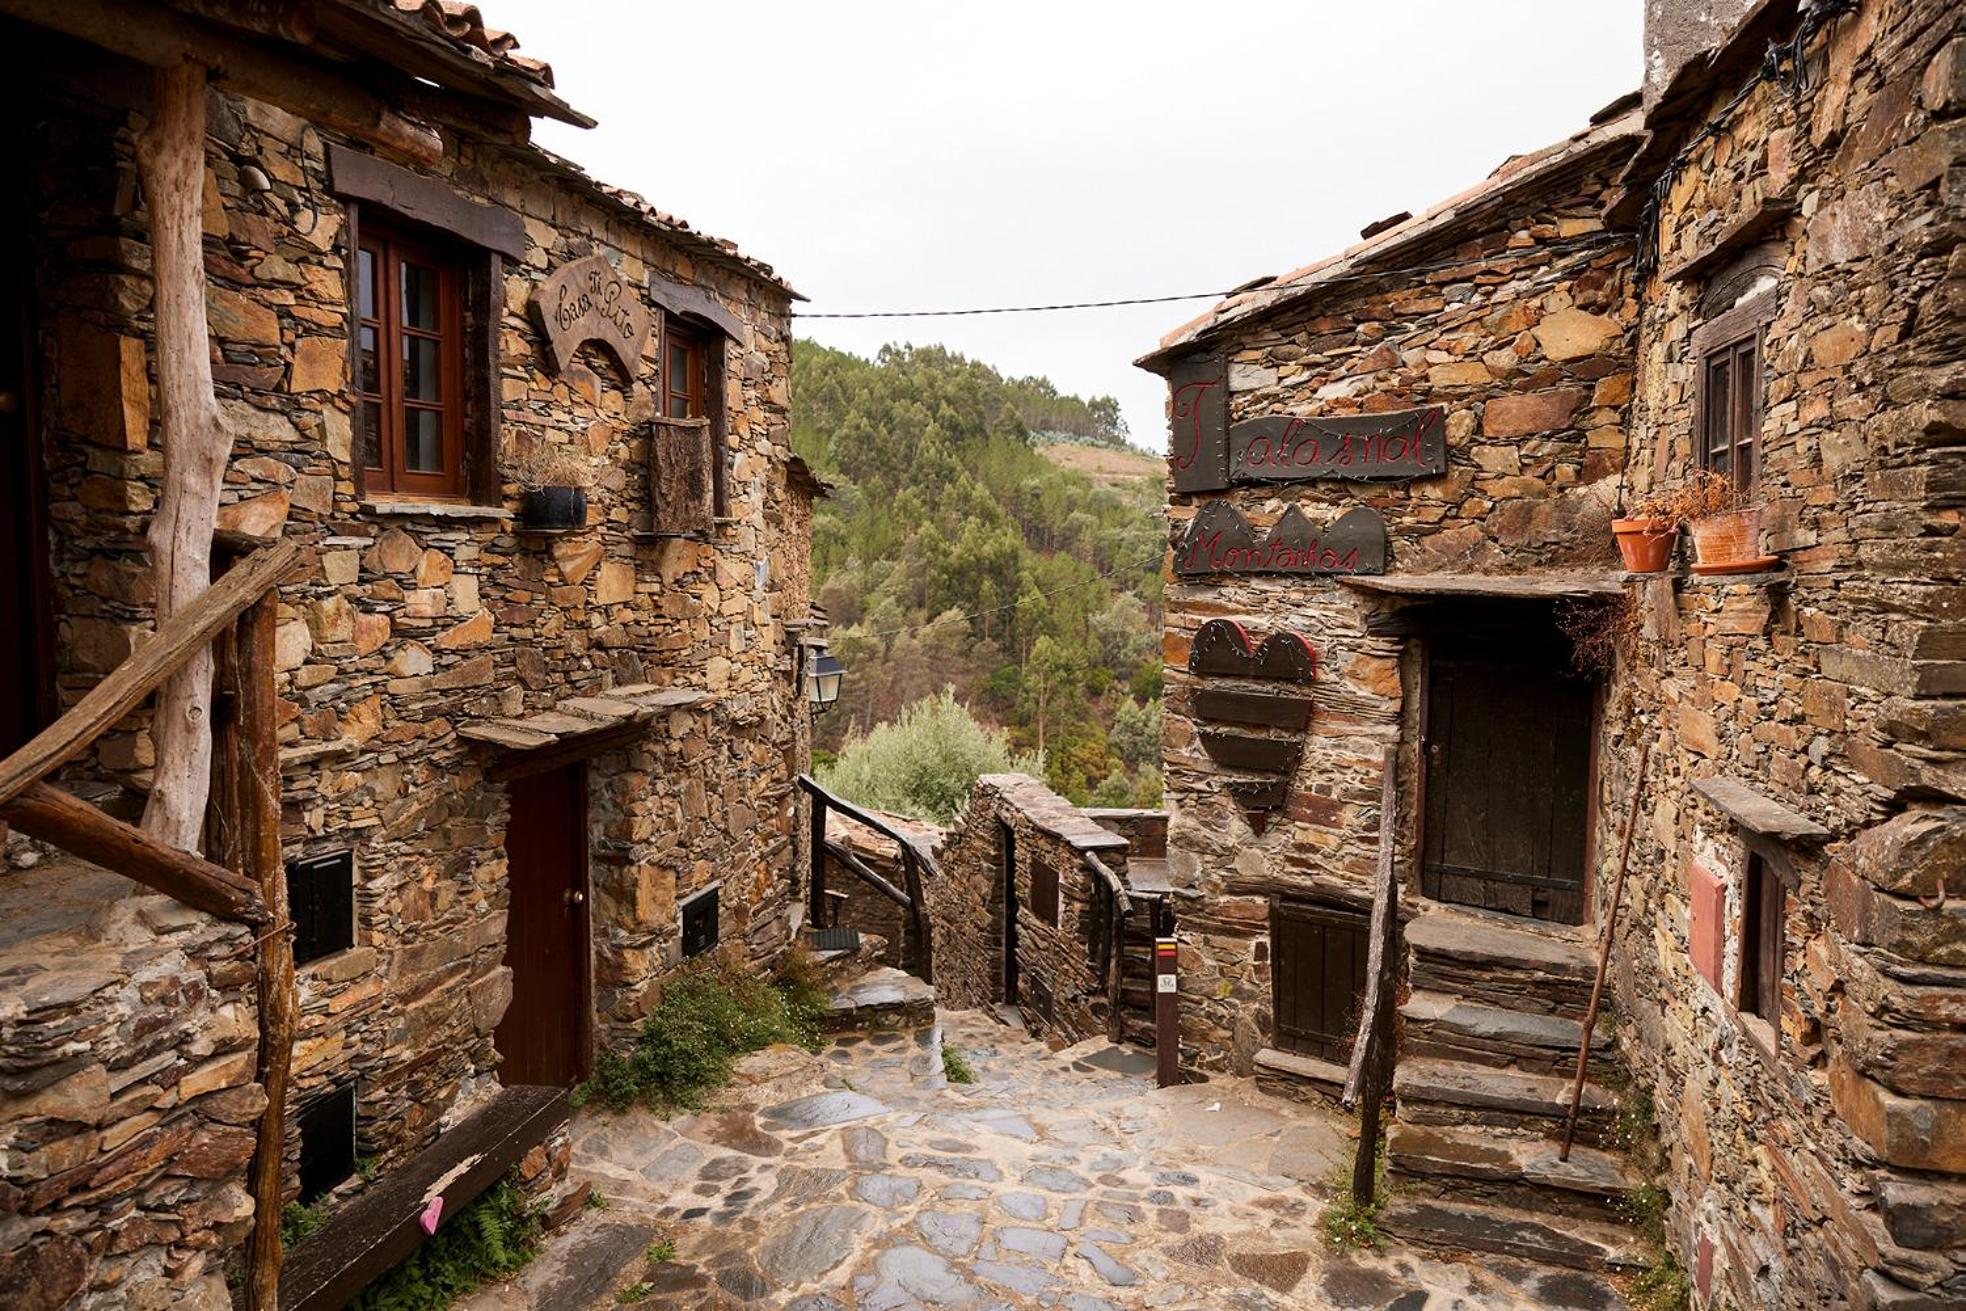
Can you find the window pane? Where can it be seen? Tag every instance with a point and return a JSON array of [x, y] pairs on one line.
[[678, 405], [368, 434], [423, 440], [365, 279], [371, 367], [678, 379], [1719, 411], [419, 296], [420, 369]]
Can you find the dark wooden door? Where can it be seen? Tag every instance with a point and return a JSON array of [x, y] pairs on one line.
[[1507, 783], [1007, 843], [1317, 976], [26, 656], [543, 1037]]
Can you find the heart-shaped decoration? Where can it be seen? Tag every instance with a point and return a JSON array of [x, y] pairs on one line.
[[1222, 650]]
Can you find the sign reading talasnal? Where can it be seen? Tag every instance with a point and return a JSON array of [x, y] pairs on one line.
[[1290, 448]]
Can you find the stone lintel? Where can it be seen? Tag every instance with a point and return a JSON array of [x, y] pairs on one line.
[[1757, 813]]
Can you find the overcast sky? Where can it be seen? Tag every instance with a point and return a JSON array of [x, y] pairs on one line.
[[916, 155]]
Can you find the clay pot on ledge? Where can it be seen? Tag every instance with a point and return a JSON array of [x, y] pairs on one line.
[[554, 509], [1729, 542], [1645, 542]]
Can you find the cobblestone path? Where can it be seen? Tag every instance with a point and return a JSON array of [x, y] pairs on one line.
[[860, 1180]]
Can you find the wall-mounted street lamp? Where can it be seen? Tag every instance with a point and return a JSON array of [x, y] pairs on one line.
[[823, 675]]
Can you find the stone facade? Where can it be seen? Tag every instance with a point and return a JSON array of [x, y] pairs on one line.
[[1061, 990], [1805, 719], [413, 620]]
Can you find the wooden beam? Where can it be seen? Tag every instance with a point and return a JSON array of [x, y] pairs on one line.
[[880, 826], [155, 35], [258, 774], [425, 199], [48, 813], [160, 654], [868, 876]]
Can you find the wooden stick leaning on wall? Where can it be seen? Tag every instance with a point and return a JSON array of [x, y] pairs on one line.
[[1365, 1082], [1604, 951]]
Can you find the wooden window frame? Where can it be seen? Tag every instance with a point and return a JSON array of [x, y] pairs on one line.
[[694, 908], [1733, 343], [1763, 937], [703, 391], [323, 913], [335, 1112], [390, 246]]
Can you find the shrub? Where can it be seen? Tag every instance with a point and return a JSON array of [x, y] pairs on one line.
[[925, 762], [709, 1017], [956, 1067], [489, 1239]]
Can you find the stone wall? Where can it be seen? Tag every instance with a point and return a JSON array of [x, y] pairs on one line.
[[1061, 990], [859, 906], [1519, 324], [1809, 1164], [412, 620]]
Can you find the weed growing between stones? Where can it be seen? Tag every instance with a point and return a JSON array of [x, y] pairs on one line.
[[1346, 1224], [661, 1253], [1644, 1208], [297, 1222], [1661, 1286], [489, 1239], [708, 1017], [956, 1067], [634, 1293]]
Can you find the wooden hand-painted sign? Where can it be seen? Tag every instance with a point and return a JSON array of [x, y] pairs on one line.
[[1198, 424], [1222, 649], [1220, 541], [1289, 448], [588, 300]]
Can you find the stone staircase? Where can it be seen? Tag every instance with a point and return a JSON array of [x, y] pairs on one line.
[[1488, 1045]]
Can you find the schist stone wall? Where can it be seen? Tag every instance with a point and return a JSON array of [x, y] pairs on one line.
[[1822, 1161], [411, 621], [1518, 326], [1060, 987]]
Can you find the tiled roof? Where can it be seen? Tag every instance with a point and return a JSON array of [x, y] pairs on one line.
[[463, 25], [1381, 250], [717, 247]]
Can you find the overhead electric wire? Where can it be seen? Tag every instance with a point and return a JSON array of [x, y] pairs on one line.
[[1583, 243]]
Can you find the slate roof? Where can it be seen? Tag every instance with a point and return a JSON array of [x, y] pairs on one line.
[[1615, 128]]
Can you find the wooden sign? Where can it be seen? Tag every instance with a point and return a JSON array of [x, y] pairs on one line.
[[588, 300], [1220, 541], [1198, 424], [1292, 448], [1222, 648]]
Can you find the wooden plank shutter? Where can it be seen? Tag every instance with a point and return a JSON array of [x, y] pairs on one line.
[[1318, 977], [680, 483]]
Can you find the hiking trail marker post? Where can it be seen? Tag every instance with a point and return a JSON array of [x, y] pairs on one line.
[[1167, 1014]]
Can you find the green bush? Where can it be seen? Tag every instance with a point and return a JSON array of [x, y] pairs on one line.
[[956, 1067], [924, 763], [709, 1017], [489, 1239], [297, 1222]]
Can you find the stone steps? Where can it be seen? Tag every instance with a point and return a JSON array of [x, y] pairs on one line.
[[1439, 1092], [1299, 1077], [881, 998], [1453, 1028], [1467, 1226], [1501, 963], [1515, 1171]]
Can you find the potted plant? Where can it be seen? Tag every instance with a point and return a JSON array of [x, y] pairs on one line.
[[1726, 527], [1645, 538], [554, 484]]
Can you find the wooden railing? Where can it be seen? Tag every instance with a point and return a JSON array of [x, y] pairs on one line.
[[246, 884], [1117, 905], [915, 859]]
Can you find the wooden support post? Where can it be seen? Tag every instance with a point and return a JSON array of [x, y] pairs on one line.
[[48, 813], [1167, 1013], [1115, 964], [171, 162], [1372, 1055], [258, 775], [816, 888], [921, 957]]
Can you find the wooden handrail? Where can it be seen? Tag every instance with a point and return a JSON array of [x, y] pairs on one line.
[[1123, 903], [156, 659], [46, 812], [868, 876], [855, 813]]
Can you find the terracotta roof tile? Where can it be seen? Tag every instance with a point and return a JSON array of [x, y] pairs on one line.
[[464, 25]]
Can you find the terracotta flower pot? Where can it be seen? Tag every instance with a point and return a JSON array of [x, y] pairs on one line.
[[1644, 543], [1729, 543]]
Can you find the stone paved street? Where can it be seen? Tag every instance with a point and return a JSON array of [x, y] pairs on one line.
[[859, 1180]]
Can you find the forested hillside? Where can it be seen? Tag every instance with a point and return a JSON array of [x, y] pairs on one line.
[[953, 554]]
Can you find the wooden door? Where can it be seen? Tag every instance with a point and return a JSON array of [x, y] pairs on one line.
[[1508, 761], [1317, 975], [26, 656], [544, 1035], [1007, 844]]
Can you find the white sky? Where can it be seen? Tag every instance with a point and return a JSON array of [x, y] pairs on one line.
[[888, 155]]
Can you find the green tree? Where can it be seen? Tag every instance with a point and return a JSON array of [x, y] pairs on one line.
[[924, 762]]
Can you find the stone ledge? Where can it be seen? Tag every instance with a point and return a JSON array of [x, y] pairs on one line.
[[394, 509], [1765, 578], [1757, 813]]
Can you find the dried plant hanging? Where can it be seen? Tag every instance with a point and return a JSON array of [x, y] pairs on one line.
[[1600, 629], [538, 464]]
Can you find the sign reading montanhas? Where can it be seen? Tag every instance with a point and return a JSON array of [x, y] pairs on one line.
[[1219, 540]]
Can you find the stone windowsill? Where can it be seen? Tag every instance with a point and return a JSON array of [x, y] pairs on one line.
[[1760, 1036], [391, 507]]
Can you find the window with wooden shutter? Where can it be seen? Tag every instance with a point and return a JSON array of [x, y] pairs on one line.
[[321, 904], [1763, 940], [686, 482], [1317, 973], [1044, 891], [327, 1143], [409, 364]]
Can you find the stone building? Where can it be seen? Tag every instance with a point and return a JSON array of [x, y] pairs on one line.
[[1404, 461], [525, 770]]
